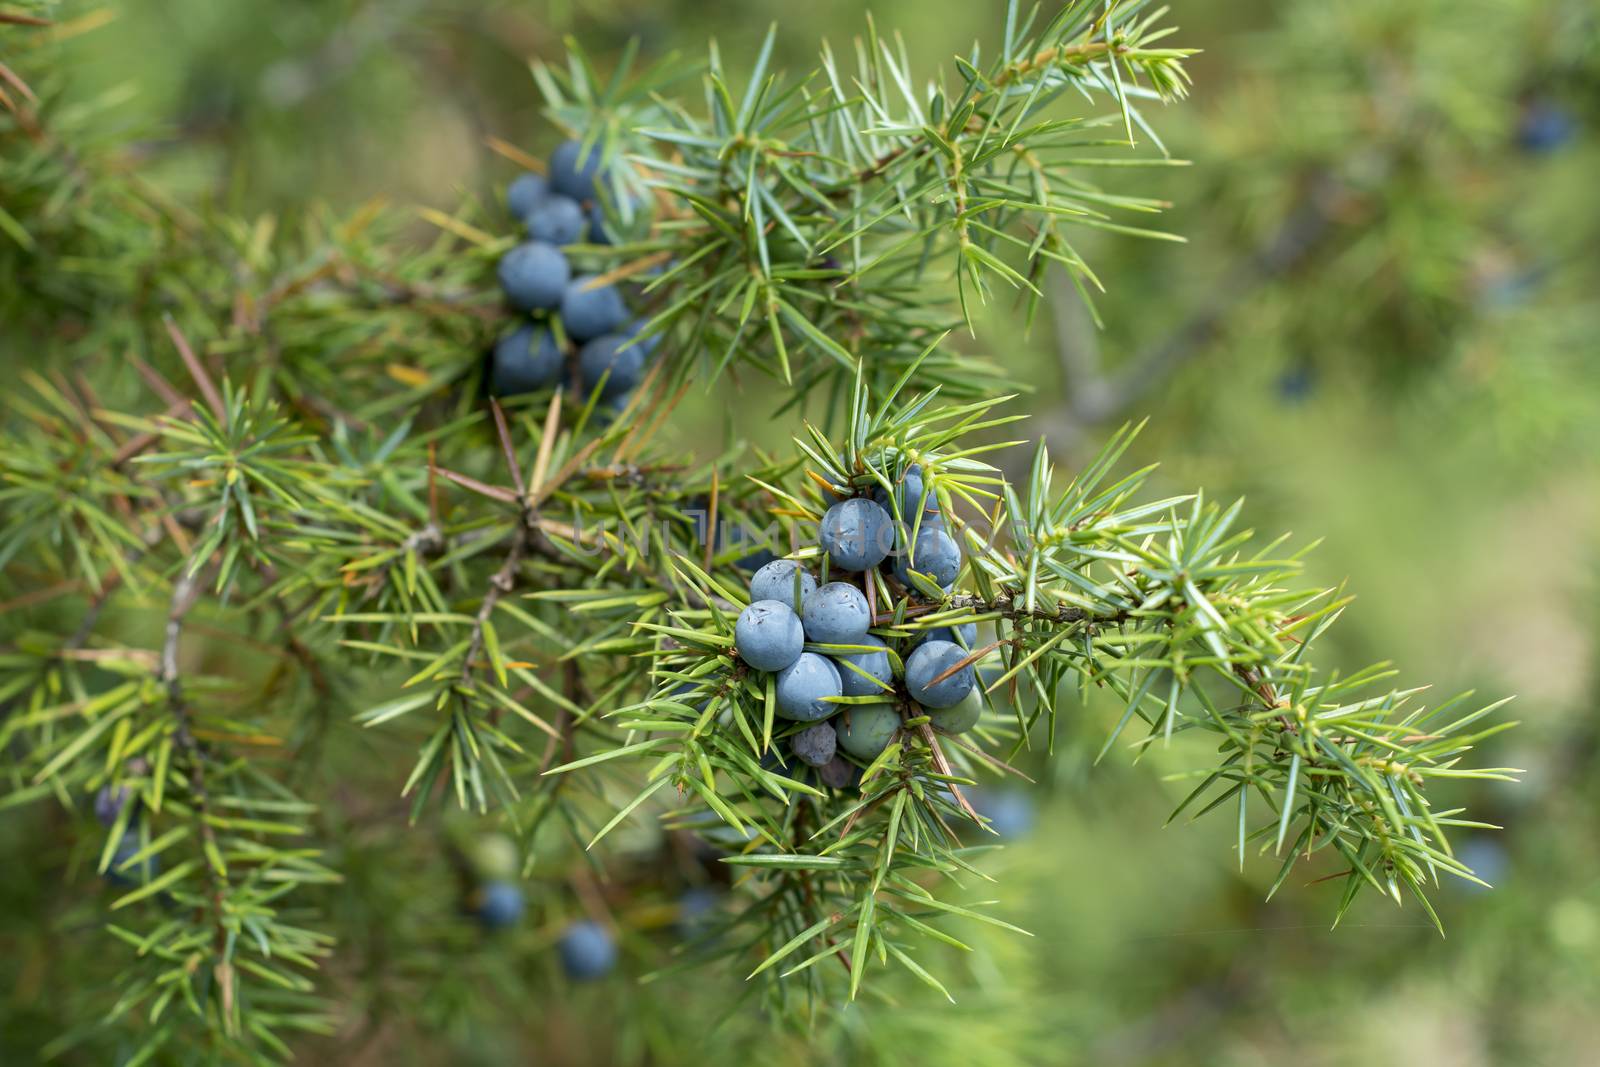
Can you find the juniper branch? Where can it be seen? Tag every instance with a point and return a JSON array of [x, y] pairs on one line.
[[826, 230]]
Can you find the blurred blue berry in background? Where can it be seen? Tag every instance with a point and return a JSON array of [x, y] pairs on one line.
[[499, 904], [1544, 127], [587, 951], [697, 908], [1488, 859], [1010, 811], [1296, 384]]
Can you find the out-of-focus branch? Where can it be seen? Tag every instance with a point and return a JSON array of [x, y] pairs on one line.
[[1095, 397]]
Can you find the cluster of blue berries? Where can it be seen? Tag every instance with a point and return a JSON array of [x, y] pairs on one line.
[[845, 686], [903, 532], [573, 321]]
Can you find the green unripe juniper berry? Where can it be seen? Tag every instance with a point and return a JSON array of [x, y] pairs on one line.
[[959, 718], [865, 730], [493, 857]]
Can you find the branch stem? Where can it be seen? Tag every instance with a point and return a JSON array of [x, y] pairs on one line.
[[502, 582], [185, 593]]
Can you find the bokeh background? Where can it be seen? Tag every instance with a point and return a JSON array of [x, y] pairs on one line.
[[1381, 330]]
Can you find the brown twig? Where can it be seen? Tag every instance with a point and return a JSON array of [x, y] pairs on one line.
[[1007, 607], [988, 758], [9, 76], [711, 520], [426, 541], [1060, 55], [965, 661], [943, 764], [197, 370], [507, 449], [502, 582], [809, 892]]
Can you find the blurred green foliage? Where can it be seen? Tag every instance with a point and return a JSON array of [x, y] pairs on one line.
[[1381, 329]]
